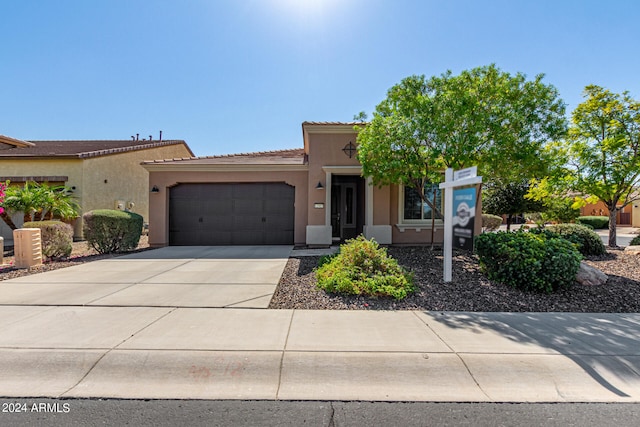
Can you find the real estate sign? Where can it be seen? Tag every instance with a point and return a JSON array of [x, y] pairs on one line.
[[464, 212]]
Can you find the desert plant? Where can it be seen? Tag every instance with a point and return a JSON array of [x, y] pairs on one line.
[[597, 222], [56, 238], [363, 268], [528, 261], [40, 202], [588, 242], [491, 222], [109, 231]]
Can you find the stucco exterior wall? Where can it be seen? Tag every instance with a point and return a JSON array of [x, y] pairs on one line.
[[325, 149], [44, 167], [121, 177], [381, 205], [600, 209], [159, 202], [125, 178]]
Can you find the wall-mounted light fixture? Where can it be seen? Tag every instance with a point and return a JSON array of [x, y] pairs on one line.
[[155, 189], [319, 186]]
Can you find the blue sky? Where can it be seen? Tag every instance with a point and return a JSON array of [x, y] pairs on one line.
[[234, 76]]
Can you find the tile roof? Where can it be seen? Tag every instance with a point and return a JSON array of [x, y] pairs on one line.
[[332, 123], [82, 149], [295, 156], [13, 141]]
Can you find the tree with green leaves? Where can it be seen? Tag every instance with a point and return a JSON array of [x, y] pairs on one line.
[[485, 117], [509, 199], [603, 147]]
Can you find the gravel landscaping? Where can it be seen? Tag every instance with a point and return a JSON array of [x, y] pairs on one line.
[[470, 290], [80, 254]]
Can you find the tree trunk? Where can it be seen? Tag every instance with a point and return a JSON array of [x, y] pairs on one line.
[[7, 220], [612, 228]]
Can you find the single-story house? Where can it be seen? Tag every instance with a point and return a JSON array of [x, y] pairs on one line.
[[311, 196], [629, 215], [102, 174]]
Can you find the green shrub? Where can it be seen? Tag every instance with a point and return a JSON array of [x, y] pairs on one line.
[[491, 222], [587, 240], [528, 261], [597, 222], [325, 259], [635, 241], [56, 238], [363, 268], [109, 231]]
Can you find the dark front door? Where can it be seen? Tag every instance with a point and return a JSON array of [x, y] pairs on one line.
[[231, 214], [347, 206]]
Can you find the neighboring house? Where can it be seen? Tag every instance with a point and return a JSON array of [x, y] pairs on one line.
[[629, 215], [102, 174], [311, 196]]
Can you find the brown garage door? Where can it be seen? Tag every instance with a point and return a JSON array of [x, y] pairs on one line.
[[231, 214]]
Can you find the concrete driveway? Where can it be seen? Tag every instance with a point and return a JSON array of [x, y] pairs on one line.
[[177, 276]]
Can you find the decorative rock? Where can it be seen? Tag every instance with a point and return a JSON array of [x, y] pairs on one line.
[[590, 276], [633, 249]]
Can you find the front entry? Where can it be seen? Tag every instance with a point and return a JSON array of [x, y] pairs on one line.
[[347, 207]]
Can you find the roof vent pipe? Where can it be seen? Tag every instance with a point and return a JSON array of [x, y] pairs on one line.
[[137, 136], [150, 137]]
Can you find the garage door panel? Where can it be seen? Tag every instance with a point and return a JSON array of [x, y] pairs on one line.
[[248, 222], [217, 191], [226, 214], [217, 237], [247, 237], [280, 192], [248, 207], [216, 207], [275, 207], [279, 238]]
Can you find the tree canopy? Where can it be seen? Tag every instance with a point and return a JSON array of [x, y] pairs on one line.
[[509, 199], [603, 148], [484, 117]]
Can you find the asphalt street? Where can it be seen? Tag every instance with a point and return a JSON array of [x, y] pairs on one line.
[[97, 412]]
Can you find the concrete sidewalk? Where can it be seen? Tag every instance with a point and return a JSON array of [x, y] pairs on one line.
[[209, 353], [183, 323]]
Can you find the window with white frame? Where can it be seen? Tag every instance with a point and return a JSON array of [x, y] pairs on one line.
[[415, 210]]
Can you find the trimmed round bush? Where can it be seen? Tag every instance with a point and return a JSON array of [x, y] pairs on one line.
[[108, 230], [587, 240], [491, 222], [597, 222], [528, 261], [363, 268], [57, 238], [635, 241]]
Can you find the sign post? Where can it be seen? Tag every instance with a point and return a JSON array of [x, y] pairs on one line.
[[452, 180]]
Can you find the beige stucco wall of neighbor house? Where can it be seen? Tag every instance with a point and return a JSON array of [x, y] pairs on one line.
[[120, 177], [71, 168], [126, 179], [165, 179]]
